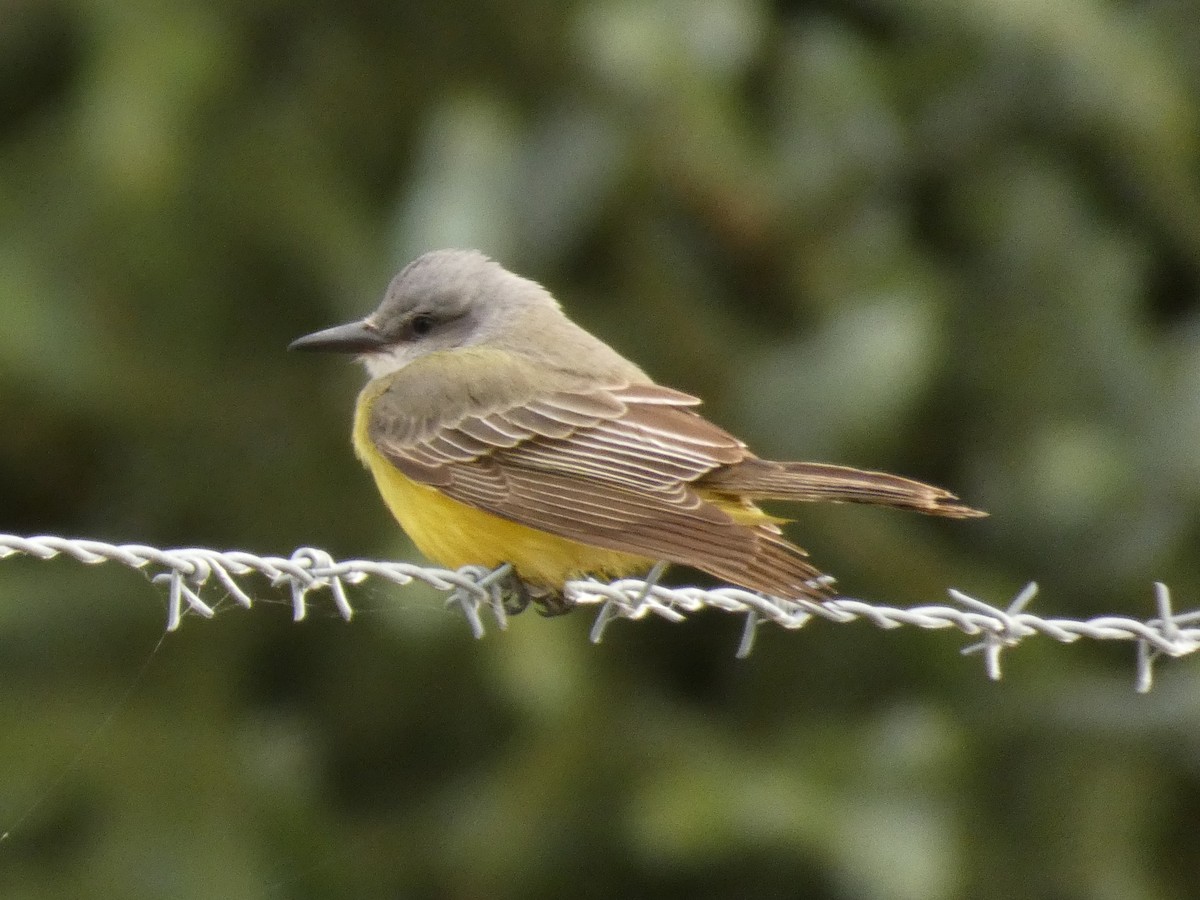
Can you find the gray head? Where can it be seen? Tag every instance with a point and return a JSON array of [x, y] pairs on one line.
[[443, 300]]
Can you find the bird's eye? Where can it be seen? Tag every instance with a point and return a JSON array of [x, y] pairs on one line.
[[421, 324]]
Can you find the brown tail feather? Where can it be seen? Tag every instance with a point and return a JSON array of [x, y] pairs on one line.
[[759, 479]]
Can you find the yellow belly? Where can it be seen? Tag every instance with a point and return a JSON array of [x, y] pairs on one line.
[[453, 534]]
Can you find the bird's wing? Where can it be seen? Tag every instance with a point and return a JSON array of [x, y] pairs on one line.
[[612, 467]]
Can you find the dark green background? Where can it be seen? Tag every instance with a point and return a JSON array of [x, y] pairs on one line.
[[956, 239]]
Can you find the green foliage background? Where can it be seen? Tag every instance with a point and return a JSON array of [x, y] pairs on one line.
[[957, 239]]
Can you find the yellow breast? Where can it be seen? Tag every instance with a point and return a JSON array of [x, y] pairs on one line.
[[453, 534]]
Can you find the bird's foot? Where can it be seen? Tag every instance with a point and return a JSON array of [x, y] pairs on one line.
[[552, 603], [514, 595]]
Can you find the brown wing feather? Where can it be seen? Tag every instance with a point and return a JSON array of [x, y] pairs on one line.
[[612, 469]]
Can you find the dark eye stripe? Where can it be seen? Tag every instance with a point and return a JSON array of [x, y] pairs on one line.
[[421, 324]]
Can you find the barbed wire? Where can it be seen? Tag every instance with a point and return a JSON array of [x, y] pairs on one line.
[[474, 589]]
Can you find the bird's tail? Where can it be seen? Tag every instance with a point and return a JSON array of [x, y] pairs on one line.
[[760, 479]]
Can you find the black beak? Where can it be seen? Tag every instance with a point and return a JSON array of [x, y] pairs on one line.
[[354, 337]]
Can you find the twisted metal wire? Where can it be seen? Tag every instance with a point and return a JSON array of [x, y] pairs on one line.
[[474, 589]]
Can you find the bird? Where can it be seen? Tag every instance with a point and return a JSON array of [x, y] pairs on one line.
[[502, 434]]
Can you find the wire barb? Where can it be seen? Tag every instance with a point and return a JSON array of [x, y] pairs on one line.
[[187, 571], [477, 587], [1010, 629]]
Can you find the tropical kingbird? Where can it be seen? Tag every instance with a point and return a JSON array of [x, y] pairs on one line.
[[499, 431]]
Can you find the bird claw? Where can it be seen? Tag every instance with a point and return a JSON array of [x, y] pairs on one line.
[[514, 595], [552, 604]]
